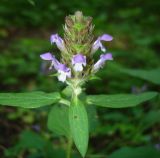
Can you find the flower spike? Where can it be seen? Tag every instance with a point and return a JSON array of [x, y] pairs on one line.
[[76, 63]]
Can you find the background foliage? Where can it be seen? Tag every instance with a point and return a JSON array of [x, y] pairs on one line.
[[25, 28]]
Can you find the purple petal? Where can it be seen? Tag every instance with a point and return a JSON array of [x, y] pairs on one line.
[[79, 58], [50, 57], [97, 44], [106, 37], [78, 61], [62, 67], [55, 38], [47, 56], [102, 60], [107, 56], [64, 72]]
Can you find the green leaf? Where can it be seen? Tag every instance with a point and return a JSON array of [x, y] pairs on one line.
[[58, 120], [92, 117], [149, 75], [29, 99], [139, 152], [78, 121], [120, 100]]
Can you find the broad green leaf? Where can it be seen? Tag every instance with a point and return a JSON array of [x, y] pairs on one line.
[[78, 121], [120, 100], [92, 117], [29, 99], [139, 152], [58, 120], [149, 75]]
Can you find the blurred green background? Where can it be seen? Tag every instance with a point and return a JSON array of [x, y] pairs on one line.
[[25, 29]]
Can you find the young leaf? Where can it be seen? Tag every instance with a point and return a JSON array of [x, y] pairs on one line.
[[78, 121], [120, 100], [58, 120], [29, 99]]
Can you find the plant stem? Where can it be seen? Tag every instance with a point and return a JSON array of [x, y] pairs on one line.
[[69, 147]]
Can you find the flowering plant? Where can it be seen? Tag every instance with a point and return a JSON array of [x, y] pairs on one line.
[[76, 66]]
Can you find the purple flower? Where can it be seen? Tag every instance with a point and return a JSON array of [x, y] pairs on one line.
[[58, 41], [78, 61], [98, 44], [48, 56], [62, 69], [101, 61]]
